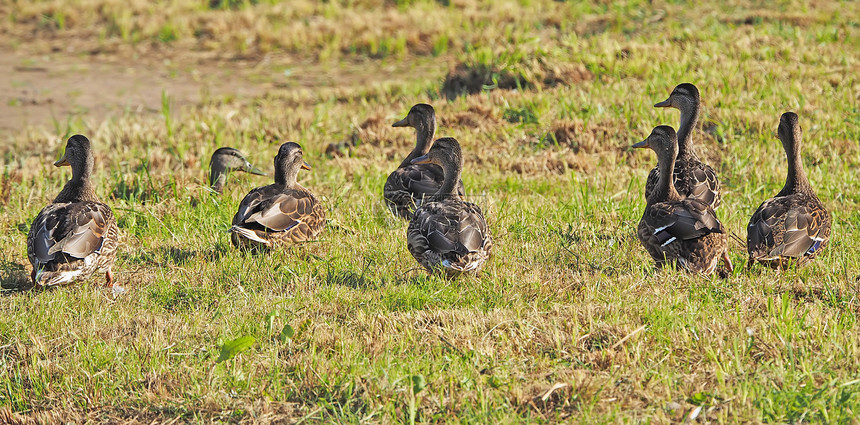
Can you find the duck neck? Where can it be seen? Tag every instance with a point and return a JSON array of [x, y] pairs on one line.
[[424, 131], [795, 180], [452, 172], [79, 188], [689, 118], [665, 189], [217, 179], [285, 176]]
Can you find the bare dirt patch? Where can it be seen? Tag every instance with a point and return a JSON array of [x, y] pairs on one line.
[[470, 79], [37, 90], [52, 88]]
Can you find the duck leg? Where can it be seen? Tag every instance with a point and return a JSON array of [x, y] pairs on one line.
[[728, 262], [109, 278]]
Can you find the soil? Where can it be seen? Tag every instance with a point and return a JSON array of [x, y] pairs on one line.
[[36, 90], [39, 89]]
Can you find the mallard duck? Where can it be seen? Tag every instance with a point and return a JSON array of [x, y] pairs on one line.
[[75, 235], [674, 229], [793, 226], [225, 160], [693, 179], [446, 233], [410, 184], [282, 212]]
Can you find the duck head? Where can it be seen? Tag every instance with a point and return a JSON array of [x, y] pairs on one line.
[[288, 162]]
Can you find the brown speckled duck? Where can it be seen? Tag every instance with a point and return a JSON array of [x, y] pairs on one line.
[[674, 229], [410, 184], [76, 235], [793, 226], [447, 234], [225, 160], [693, 179], [280, 213]]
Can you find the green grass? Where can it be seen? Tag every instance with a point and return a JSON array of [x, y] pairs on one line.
[[570, 299]]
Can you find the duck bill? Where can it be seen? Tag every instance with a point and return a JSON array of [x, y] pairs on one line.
[[306, 166], [62, 161], [642, 144], [402, 123], [663, 104], [423, 159], [250, 169]]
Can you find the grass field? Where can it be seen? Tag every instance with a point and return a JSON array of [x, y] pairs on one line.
[[569, 321]]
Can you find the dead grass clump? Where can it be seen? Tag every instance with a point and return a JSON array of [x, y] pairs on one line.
[[573, 135], [7, 416], [14, 277], [373, 131], [557, 394], [549, 162], [557, 399], [464, 119], [600, 339], [477, 117], [758, 18], [261, 411], [339, 148], [6, 180], [467, 79]]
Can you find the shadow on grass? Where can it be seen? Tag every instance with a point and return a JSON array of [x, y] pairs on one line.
[[363, 279], [13, 278], [352, 280], [181, 256], [178, 256]]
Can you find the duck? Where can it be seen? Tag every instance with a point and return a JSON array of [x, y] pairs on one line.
[[793, 226], [224, 160], [281, 213], [447, 234], [76, 235], [410, 184], [674, 229], [693, 179]]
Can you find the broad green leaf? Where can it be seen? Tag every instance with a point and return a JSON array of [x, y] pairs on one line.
[[287, 332], [236, 346], [418, 383], [698, 399]]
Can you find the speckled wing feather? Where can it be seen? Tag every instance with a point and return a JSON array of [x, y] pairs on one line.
[[692, 179], [450, 235], [70, 241], [274, 214], [407, 187], [685, 231], [792, 227]]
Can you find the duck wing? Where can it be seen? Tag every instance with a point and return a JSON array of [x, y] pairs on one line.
[[651, 181], [75, 229], [788, 226], [693, 179], [697, 180], [452, 227], [276, 209], [450, 234], [408, 187], [681, 220]]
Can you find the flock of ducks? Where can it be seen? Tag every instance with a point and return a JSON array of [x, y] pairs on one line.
[[680, 225], [76, 235]]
